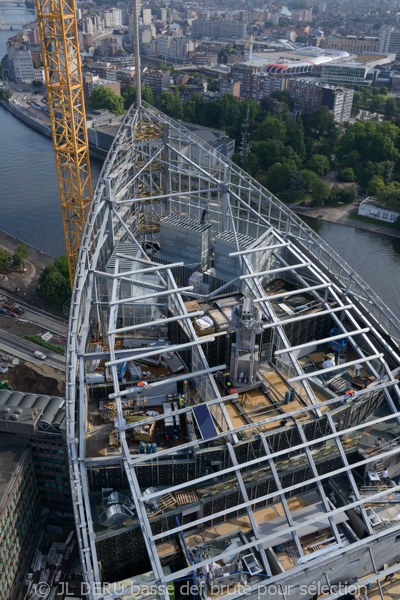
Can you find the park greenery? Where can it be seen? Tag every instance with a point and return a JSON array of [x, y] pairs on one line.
[[129, 95], [104, 97], [376, 99], [291, 156], [5, 94], [54, 282], [16, 260]]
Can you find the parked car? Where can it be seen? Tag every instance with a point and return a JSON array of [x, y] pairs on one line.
[[3, 311], [14, 314], [39, 354], [18, 309]]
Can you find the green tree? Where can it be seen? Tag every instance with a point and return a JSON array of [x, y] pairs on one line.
[[129, 95], [390, 195], [309, 177], [319, 164], [390, 107], [320, 192], [55, 283], [295, 137], [22, 250], [170, 104], [18, 260], [297, 186], [375, 185], [270, 128], [353, 160], [212, 85], [5, 95], [251, 165], [4, 260], [387, 170], [347, 194], [375, 142], [267, 152], [321, 122], [347, 174], [377, 104], [333, 195], [267, 104], [370, 170], [19, 256], [283, 96], [104, 97], [279, 176]]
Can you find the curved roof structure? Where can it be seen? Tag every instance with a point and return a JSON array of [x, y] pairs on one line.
[[46, 413], [232, 400]]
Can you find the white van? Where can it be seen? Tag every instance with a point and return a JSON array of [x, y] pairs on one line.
[[39, 354]]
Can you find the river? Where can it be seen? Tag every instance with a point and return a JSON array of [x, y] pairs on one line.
[[29, 197], [30, 205]]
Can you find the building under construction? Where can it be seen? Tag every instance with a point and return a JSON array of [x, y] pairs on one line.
[[232, 392]]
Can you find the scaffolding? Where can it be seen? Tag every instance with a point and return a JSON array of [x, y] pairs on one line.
[[157, 170]]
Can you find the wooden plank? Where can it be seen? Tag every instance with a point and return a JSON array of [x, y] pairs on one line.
[[186, 497]]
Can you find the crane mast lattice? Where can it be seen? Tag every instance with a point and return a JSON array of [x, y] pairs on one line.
[[62, 66]]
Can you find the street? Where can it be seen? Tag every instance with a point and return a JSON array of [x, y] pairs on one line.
[[12, 344]]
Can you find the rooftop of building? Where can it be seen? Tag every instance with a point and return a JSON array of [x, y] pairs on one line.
[[23, 408], [374, 202]]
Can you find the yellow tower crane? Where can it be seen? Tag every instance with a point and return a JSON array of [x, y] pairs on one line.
[[62, 67]]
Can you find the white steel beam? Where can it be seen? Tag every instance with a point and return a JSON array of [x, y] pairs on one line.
[[319, 313], [263, 459], [304, 290], [191, 315], [163, 196], [146, 354], [268, 538], [335, 368], [323, 340], [276, 493], [137, 271], [278, 270], [133, 299], [262, 249], [128, 391]]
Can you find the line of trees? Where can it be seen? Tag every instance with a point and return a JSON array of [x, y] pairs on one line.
[[17, 259], [289, 156]]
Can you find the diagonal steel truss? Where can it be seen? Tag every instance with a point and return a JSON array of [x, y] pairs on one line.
[[156, 167]]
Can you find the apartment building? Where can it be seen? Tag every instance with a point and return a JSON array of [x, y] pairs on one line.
[[389, 40], [352, 44], [19, 508], [158, 81], [308, 95], [244, 74], [23, 66], [219, 29], [263, 84]]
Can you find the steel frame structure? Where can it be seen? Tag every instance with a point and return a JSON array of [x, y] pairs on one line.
[[62, 67], [187, 177]]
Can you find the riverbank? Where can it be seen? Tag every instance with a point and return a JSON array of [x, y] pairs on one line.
[[343, 215], [25, 284], [39, 125]]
